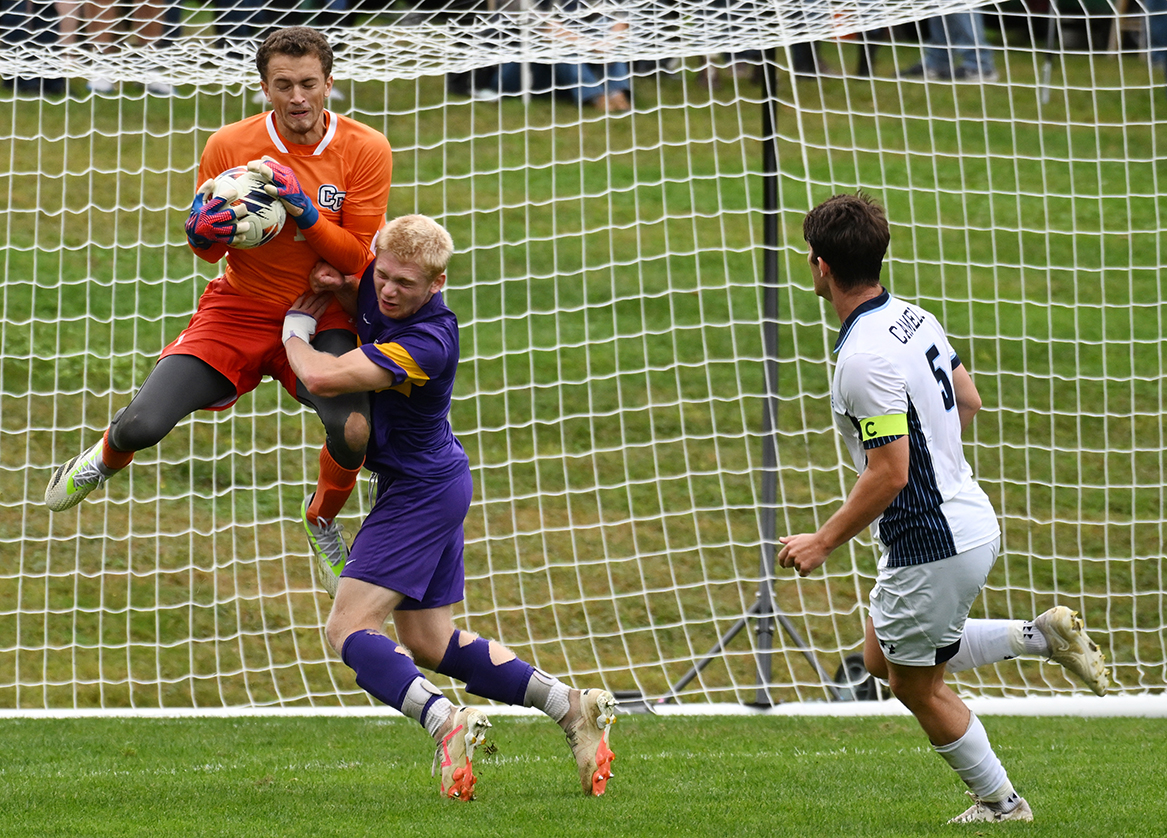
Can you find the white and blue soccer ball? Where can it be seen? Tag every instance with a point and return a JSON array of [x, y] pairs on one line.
[[265, 214]]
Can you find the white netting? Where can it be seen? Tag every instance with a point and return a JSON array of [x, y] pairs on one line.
[[612, 391]]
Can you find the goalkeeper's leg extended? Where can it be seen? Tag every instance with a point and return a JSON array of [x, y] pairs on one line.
[[176, 387], [72, 482], [346, 426]]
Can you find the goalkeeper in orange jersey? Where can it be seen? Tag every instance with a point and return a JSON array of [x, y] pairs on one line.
[[332, 174]]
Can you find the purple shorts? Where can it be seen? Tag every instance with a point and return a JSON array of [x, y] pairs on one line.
[[411, 541]]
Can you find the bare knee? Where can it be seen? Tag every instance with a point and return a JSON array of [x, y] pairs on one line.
[[336, 631], [356, 432], [427, 647], [342, 623], [426, 651], [921, 697]]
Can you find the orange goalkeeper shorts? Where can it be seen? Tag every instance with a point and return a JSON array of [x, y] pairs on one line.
[[241, 338]]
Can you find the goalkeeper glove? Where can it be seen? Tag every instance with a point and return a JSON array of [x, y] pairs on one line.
[[282, 184], [211, 221], [299, 324]]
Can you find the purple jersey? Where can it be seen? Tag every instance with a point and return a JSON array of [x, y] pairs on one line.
[[411, 433]]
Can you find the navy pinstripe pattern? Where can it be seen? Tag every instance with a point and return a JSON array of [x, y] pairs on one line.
[[913, 527]]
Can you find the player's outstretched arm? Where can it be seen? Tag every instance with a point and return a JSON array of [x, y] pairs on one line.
[[321, 373]]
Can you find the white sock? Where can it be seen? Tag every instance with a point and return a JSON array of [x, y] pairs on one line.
[[547, 693], [972, 758], [419, 694], [440, 710], [1033, 641], [989, 641]]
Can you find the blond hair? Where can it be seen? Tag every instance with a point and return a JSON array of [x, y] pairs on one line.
[[416, 240]]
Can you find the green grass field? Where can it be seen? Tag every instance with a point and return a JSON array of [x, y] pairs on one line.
[[673, 776]]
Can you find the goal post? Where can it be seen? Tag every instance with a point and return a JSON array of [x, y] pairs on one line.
[[644, 372]]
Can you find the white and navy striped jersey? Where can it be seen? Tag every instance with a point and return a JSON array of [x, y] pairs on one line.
[[893, 376]]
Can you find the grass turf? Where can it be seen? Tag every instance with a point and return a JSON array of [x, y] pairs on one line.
[[716, 776]]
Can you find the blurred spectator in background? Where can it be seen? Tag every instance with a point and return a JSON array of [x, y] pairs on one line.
[[593, 30], [317, 14], [745, 64], [145, 20], [957, 50], [1157, 31], [70, 18], [238, 21], [807, 62], [22, 21]]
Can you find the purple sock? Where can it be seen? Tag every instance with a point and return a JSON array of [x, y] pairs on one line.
[[504, 679], [382, 671]]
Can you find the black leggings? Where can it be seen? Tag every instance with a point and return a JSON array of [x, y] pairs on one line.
[[181, 384]]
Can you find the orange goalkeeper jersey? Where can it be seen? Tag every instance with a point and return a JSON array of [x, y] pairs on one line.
[[347, 175]]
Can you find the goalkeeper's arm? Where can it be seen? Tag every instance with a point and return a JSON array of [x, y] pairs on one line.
[[347, 248]]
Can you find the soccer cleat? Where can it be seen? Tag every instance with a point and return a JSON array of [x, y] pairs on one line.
[[1071, 647], [327, 542], [456, 750], [72, 482], [588, 738], [981, 811]]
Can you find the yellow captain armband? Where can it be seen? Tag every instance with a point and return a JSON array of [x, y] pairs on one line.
[[895, 424]]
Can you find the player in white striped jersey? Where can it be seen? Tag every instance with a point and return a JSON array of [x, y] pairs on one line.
[[901, 399]]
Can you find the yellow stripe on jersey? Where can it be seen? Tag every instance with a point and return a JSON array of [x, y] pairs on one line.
[[896, 424], [400, 356]]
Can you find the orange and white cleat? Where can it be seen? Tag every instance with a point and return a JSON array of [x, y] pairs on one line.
[[588, 737], [456, 750]]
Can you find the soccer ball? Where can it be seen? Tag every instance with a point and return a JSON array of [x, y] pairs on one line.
[[265, 214]]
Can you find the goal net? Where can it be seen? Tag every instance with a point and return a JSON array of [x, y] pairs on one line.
[[643, 389]]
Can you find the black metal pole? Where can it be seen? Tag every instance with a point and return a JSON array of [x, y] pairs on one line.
[[769, 508], [765, 609]]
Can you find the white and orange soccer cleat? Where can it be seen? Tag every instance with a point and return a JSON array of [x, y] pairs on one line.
[[467, 730], [587, 734]]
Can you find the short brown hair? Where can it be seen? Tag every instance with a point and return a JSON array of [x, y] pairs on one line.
[[295, 41], [417, 240], [850, 233]]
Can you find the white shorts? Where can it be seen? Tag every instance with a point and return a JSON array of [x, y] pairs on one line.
[[918, 612]]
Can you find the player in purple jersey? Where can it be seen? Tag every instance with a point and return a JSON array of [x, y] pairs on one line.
[[406, 560]]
